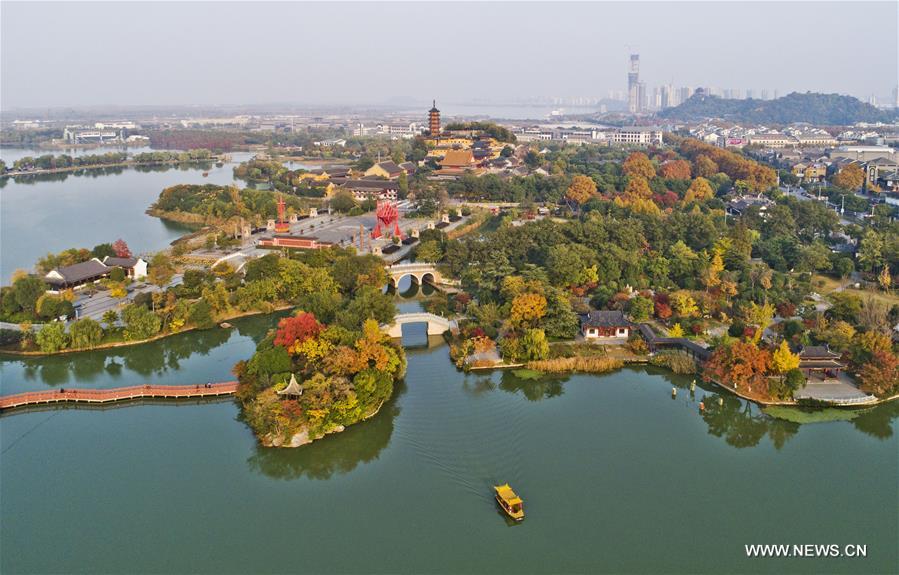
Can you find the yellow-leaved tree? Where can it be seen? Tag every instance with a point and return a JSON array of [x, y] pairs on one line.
[[760, 316], [527, 308], [700, 190], [580, 191], [851, 177], [638, 164], [784, 360]]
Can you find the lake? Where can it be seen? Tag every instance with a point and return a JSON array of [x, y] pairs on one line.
[[41, 214], [617, 477]]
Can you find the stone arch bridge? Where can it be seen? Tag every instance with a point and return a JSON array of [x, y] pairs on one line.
[[436, 324], [420, 273]]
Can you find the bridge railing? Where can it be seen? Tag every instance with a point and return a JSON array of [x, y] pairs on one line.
[[116, 393]]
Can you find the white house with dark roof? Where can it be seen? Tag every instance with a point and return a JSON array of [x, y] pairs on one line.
[[77, 275], [135, 268], [605, 325]]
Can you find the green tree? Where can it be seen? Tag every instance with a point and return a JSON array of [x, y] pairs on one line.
[[26, 291], [870, 251], [342, 201], [534, 345], [160, 269], [201, 314], [101, 251], [429, 251], [640, 308], [85, 333], [52, 337], [110, 317], [140, 323], [53, 307], [367, 303]]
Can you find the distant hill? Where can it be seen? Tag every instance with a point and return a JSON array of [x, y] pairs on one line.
[[820, 109]]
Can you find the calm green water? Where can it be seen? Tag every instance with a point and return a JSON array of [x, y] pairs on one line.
[[41, 214], [616, 475]]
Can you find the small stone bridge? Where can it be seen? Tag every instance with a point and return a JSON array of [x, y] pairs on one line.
[[436, 324], [420, 272]]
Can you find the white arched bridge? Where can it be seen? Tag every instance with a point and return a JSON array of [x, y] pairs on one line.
[[436, 324], [420, 272]]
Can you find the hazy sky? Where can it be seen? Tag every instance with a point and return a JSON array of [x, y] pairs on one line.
[[80, 54]]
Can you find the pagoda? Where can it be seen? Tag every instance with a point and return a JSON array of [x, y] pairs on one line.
[[434, 120]]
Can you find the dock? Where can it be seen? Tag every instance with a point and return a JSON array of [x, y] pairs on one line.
[[100, 396]]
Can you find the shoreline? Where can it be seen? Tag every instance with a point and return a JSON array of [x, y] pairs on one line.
[[126, 164], [116, 344], [741, 395]]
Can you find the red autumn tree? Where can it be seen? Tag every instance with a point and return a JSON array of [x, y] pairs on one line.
[[880, 375], [297, 329], [676, 170], [663, 310], [121, 249], [741, 363]]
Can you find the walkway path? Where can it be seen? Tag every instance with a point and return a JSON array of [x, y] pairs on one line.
[[836, 391], [117, 394]]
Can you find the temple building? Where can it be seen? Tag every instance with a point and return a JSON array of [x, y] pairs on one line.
[[820, 361], [389, 170], [457, 162]]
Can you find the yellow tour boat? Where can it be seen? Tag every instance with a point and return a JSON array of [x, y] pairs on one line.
[[509, 501]]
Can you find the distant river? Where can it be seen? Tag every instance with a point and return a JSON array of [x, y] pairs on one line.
[[41, 214], [617, 476]]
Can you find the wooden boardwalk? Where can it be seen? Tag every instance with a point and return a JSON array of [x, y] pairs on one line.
[[117, 394]]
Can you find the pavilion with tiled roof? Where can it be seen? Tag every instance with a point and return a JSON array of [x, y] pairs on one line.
[[818, 359]]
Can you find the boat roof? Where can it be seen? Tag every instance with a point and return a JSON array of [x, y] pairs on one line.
[[507, 494]]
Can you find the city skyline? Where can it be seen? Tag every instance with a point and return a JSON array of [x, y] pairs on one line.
[[187, 54]]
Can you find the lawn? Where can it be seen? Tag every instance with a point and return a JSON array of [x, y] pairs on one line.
[[825, 285]]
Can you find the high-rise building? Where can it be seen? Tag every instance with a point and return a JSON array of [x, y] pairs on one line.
[[634, 99], [434, 120]]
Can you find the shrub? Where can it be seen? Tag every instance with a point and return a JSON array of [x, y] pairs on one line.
[[582, 364], [677, 361], [10, 337]]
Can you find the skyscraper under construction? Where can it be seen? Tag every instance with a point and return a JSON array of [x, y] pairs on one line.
[[634, 87]]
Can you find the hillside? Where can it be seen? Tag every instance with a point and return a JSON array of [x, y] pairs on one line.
[[814, 108]]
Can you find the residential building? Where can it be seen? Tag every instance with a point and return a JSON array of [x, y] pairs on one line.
[[77, 275], [771, 140], [135, 268], [635, 136], [737, 206], [810, 172], [363, 190], [605, 325], [864, 153], [819, 140]]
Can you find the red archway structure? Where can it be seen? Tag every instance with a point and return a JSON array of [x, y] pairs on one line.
[[387, 215]]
